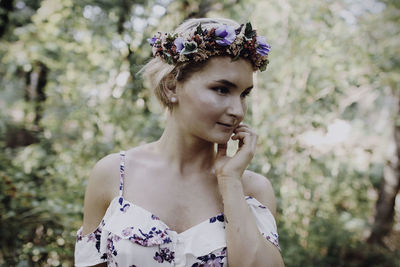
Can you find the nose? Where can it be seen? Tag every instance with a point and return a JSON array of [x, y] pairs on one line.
[[237, 108]]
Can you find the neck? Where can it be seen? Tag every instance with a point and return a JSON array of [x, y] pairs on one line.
[[185, 153]]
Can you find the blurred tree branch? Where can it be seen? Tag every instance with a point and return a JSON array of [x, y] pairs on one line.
[[5, 9]]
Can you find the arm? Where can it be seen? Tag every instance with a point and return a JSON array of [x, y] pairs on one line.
[[241, 229], [102, 186], [246, 246]]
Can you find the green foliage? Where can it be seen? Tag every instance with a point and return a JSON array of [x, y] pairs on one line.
[[322, 110], [34, 222]]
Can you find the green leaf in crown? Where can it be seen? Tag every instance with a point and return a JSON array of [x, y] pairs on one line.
[[190, 47], [199, 30], [248, 31], [264, 66], [171, 38], [168, 58]]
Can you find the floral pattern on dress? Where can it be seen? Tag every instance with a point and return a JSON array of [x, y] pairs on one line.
[[164, 254], [273, 238], [94, 236], [219, 217], [153, 237], [212, 259], [121, 171], [125, 226], [111, 251], [154, 217], [124, 207]]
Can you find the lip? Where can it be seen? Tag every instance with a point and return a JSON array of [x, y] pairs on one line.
[[229, 126]]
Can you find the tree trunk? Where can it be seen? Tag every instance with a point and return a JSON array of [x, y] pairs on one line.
[[34, 92], [124, 10], [388, 190], [35, 82]]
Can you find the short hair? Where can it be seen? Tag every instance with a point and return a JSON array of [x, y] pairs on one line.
[[161, 75]]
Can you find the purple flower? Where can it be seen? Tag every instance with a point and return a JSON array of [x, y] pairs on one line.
[[263, 48], [152, 41], [164, 254], [179, 44], [158, 258], [127, 231], [227, 33]]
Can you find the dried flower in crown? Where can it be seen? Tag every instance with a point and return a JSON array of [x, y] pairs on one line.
[[201, 44]]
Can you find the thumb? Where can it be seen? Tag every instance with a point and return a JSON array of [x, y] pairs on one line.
[[221, 151]]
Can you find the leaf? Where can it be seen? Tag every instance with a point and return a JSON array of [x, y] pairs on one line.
[[172, 38], [199, 30], [248, 31], [168, 58], [190, 47], [264, 67]]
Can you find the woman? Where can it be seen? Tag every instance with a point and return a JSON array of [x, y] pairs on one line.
[[180, 202]]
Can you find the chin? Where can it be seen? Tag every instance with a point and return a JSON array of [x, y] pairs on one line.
[[221, 139], [217, 137]]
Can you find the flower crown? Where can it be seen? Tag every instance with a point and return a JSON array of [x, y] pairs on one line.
[[200, 44]]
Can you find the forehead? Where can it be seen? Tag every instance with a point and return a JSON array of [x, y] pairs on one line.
[[239, 71]]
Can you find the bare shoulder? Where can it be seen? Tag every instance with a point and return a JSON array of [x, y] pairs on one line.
[[259, 187], [102, 186]]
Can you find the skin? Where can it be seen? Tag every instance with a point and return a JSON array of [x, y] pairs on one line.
[[186, 180]]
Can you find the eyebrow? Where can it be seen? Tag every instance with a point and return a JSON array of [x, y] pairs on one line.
[[231, 84]]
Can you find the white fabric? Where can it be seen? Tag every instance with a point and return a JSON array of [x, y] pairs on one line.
[[129, 235], [121, 238]]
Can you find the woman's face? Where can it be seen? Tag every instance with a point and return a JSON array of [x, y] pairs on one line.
[[212, 101]]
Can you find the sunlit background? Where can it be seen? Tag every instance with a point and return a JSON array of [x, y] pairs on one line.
[[326, 111]]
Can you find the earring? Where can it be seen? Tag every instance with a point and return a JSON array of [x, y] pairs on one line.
[[173, 99]]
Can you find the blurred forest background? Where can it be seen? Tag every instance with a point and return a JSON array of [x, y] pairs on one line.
[[326, 110]]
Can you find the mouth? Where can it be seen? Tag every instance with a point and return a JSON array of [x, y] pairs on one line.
[[230, 126]]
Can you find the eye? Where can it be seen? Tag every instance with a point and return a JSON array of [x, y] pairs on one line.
[[245, 93], [221, 90]]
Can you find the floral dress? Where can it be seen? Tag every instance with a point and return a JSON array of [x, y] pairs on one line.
[[129, 235]]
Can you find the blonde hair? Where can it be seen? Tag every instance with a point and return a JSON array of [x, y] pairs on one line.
[[162, 76]]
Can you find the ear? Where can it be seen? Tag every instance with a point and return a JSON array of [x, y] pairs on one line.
[[169, 85]]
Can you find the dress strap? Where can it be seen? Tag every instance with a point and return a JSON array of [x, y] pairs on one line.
[[121, 172]]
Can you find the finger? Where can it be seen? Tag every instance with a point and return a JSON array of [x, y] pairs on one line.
[[221, 150], [243, 137], [243, 124], [246, 150], [244, 128], [246, 140], [240, 132], [241, 143]]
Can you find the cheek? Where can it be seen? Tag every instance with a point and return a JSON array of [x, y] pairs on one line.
[[207, 103], [209, 100]]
